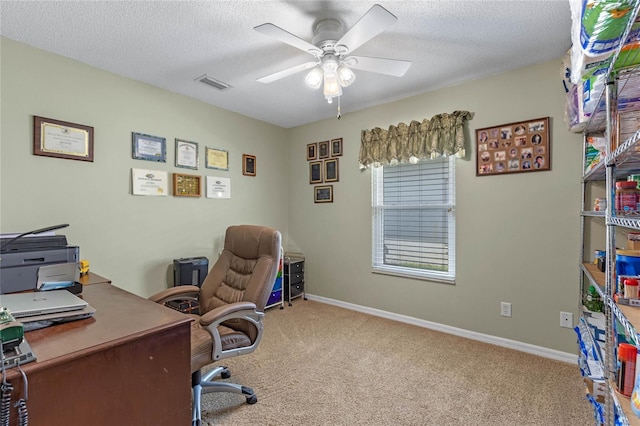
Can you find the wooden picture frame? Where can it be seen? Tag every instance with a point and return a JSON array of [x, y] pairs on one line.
[[323, 194], [519, 147], [336, 147], [331, 170], [315, 172], [248, 165], [217, 159], [148, 147], [186, 154], [312, 151], [61, 139], [187, 185], [323, 149]]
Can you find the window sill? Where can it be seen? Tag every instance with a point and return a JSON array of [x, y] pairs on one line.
[[423, 277]]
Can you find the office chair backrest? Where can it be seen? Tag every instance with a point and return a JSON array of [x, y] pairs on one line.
[[246, 269]]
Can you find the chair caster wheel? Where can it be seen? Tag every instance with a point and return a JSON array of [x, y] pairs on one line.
[[252, 399], [225, 374]]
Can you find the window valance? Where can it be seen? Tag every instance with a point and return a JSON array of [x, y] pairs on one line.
[[442, 135]]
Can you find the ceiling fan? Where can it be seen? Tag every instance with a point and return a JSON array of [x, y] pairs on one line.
[[331, 47]]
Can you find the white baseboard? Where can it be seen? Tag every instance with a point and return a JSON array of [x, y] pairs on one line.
[[486, 338]]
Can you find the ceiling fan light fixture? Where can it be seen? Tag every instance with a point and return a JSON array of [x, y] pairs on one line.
[[314, 78], [332, 87], [345, 76]]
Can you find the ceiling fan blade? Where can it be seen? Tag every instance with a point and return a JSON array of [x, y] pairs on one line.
[[288, 38], [394, 67], [372, 23], [285, 73]]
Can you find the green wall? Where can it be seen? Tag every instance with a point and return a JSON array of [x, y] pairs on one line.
[[517, 235], [130, 239]]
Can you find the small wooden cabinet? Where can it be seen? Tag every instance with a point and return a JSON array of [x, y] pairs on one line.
[[294, 276]]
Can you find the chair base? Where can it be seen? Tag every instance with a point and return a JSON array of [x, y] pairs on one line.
[[203, 384]]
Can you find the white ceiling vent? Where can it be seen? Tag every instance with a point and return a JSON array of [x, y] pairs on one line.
[[209, 81]]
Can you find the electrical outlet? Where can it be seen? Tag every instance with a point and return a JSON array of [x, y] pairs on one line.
[[505, 309], [566, 319]]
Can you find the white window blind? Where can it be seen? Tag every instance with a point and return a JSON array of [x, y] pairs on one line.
[[414, 219]]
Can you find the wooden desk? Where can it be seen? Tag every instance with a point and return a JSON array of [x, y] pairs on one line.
[[129, 364], [91, 278]]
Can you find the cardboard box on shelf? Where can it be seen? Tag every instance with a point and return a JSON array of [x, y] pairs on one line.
[[633, 241]]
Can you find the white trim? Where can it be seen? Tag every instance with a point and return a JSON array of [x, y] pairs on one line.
[[486, 338]]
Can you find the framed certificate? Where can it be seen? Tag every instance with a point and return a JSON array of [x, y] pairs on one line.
[[150, 148], [217, 159], [186, 154], [218, 187], [55, 138], [149, 182]]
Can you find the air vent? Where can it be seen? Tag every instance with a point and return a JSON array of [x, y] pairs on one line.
[[209, 81]]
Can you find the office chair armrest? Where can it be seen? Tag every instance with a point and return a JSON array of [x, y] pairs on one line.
[[181, 292], [226, 312], [238, 310]]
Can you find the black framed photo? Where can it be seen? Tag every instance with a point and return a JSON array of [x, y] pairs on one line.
[[336, 147], [315, 172], [323, 149], [149, 148], [331, 170], [312, 151], [323, 194], [248, 165]]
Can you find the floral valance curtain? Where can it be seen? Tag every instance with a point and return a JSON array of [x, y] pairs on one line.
[[442, 135]]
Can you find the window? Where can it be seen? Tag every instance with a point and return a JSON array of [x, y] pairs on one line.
[[414, 219]]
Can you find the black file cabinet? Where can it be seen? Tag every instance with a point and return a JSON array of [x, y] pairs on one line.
[[293, 277]]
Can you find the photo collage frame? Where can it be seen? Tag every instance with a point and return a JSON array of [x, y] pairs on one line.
[[518, 147]]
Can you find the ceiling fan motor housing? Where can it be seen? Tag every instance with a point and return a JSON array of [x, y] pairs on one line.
[[327, 33]]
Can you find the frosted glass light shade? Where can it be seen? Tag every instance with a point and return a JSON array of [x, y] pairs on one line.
[[345, 76], [314, 78], [331, 86]]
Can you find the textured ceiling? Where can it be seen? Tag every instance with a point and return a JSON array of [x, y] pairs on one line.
[[169, 44]]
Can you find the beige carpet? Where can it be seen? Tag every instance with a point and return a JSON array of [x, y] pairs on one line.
[[323, 365]]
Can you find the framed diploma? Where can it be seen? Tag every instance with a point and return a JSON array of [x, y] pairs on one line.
[[186, 154], [55, 138], [217, 159], [186, 185], [218, 187], [150, 148], [149, 182]]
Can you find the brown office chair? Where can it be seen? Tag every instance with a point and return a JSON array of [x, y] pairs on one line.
[[231, 306]]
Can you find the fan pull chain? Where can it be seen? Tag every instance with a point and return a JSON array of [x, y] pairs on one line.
[[339, 115]]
